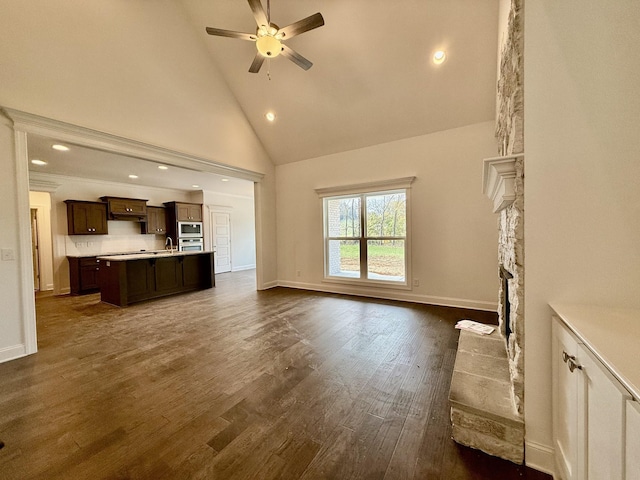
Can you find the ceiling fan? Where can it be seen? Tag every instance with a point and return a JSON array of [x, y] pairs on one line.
[[269, 37]]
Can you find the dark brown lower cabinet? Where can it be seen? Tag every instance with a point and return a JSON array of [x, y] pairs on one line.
[[123, 282], [84, 275]]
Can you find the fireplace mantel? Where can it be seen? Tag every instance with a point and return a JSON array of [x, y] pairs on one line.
[[498, 180]]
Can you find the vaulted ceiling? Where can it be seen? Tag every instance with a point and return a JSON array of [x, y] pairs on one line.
[[372, 81]]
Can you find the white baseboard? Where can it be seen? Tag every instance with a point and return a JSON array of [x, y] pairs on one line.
[[12, 352], [268, 285], [243, 267], [540, 457], [394, 295]]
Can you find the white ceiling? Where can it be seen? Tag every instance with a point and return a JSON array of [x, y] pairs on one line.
[[372, 81], [85, 162]]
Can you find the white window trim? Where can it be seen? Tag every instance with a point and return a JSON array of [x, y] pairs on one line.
[[369, 187], [383, 186]]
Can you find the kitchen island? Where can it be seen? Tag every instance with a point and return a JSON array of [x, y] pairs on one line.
[[130, 278]]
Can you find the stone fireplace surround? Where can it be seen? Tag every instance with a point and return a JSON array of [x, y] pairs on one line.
[[487, 388]]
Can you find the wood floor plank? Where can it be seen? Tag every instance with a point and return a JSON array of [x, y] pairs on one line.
[[234, 383]]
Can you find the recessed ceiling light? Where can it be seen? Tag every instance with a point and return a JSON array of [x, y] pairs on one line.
[[270, 116], [195, 186], [60, 148], [35, 161], [133, 176], [439, 57], [163, 167], [225, 179]]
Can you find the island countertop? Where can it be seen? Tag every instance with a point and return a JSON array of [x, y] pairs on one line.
[[120, 257]]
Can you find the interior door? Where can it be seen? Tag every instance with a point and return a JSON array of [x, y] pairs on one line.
[[35, 249], [221, 222]]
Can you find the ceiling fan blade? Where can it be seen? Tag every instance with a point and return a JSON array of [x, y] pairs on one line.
[[314, 21], [228, 33], [257, 63], [258, 12], [295, 57]]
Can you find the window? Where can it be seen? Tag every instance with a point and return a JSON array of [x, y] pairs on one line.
[[366, 233]]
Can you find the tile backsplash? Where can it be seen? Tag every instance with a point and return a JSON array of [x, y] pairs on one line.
[[124, 236]]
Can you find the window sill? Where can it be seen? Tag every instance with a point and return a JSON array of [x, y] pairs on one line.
[[358, 282]]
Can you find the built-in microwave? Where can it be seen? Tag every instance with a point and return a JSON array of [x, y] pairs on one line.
[[190, 245], [190, 230]]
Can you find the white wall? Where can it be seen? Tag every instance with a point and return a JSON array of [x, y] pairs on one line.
[[582, 197], [132, 68], [12, 338], [243, 225], [454, 233]]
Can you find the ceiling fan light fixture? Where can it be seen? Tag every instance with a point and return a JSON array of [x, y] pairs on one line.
[[268, 46]]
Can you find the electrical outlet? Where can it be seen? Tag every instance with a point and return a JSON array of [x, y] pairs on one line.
[[298, 273], [7, 255], [416, 282]]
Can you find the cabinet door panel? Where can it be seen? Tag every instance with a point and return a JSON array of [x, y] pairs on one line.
[[139, 280], [97, 218], [183, 212], [632, 443], [195, 213], [156, 221], [80, 218], [568, 421], [161, 220], [89, 277], [168, 273], [605, 411]]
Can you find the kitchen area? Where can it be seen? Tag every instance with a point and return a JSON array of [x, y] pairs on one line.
[[87, 203], [125, 277]]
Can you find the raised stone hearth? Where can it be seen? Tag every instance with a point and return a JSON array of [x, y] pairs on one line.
[[482, 412]]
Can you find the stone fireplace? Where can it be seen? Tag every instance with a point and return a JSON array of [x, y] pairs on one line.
[[487, 388]]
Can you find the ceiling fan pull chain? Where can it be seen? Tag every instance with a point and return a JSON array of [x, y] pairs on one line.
[[269, 12]]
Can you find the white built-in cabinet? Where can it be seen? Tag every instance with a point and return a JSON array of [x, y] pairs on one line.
[[568, 423], [596, 420]]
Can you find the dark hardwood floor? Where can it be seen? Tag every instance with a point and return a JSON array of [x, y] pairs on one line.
[[231, 383]]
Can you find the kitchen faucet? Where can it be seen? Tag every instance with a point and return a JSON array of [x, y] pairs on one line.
[[169, 242]]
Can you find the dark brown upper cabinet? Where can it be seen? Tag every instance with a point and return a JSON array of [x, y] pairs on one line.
[[156, 221], [120, 208], [188, 212], [86, 218]]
